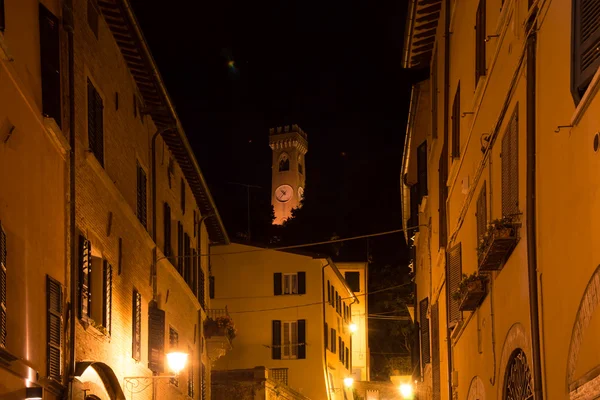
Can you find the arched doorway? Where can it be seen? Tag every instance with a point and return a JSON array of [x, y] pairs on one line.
[[476, 390], [518, 384]]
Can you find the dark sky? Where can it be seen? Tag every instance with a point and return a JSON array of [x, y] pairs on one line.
[[333, 67]]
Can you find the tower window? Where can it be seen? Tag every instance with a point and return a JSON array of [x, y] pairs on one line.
[[284, 162]]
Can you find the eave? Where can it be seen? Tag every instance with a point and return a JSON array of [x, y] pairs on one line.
[[421, 28]]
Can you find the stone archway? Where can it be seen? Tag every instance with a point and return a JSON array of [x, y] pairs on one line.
[[516, 339], [476, 389], [98, 381]]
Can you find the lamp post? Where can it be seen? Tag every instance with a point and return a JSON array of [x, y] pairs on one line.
[[406, 391], [176, 361]]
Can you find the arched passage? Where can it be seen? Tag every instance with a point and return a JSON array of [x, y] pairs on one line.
[[102, 378]]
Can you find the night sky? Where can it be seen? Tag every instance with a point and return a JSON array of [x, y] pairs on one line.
[[235, 69]]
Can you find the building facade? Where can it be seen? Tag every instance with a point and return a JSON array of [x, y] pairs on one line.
[[289, 145], [293, 313], [33, 201]]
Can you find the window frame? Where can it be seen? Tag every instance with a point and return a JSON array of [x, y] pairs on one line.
[[289, 279], [95, 101]]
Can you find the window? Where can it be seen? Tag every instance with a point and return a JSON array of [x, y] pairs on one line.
[[456, 124], [333, 341], [518, 383], [201, 285], [92, 17], [435, 351], [279, 374], [95, 123], [190, 378], [170, 172], [586, 39], [136, 322], [289, 339], [85, 260], [454, 274], [424, 325], [284, 162], [443, 190], [289, 283], [481, 214], [326, 336], [180, 248], [347, 358], [54, 328], [173, 346], [510, 167], [421, 172], [116, 101], [3, 284], [120, 257], [353, 280], [156, 338], [182, 195], [203, 388], [107, 296], [2, 17], [167, 229], [480, 36], [141, 195], [328, 292], [50, 63], [211, 287], [341, 347], [187, 261]]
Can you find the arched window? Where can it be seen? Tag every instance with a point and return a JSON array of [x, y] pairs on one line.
[[518, 384], [284, 162]]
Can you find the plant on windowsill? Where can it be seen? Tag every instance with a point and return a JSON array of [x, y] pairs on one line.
[[220, 326], [496, 244], [471, 291]]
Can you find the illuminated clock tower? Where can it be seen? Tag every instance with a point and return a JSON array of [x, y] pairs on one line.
[[289, 144]]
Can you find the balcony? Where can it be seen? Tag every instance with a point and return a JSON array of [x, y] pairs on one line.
[[279, 374], [472, 294], [497, 244], [219, 332]]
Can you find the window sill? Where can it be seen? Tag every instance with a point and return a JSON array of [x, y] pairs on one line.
[[587, 98], [88, 326], [57, 137]]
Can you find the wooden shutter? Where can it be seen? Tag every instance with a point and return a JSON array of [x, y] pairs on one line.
[[328, 292], [50, 62], [276, 343], [454, 274], [421, 172], [3, 284], [277, 278], [456, 124], [480, 36], [182, 195], [443, 193], [435, 352], [120, 257], [301, 282], [141, 195], [180, 247], [85, 275], [95, 123], [339, 346], [510, 167], [301, 338], [156, 338], [211, 287], [347, 358], [332, 340], [424, 323], [326, 336], [204, 384], [107, 296], [190, 378], [586, 40], [481, 214], [187, 259], [54, 331], [167, 229], [136, 318], [434, 96], [2, 17], [201, 286]]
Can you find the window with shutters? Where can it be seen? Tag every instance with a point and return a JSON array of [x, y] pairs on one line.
[[333, 340], [203, 384], [187, 261], [454, 274], [326, 336], [456, 124], [211, 287], [95, 114], [510, 167], [136, 323], [180, 248], [107, 297], [347, 358], [328, 292], [2, 17], [50, 64], [190, 378], [289, 339], [353, 280], [201, 286], [141, 195], [424, 325], [167, 230], [443, 194], [586, 41], [480, 36], [481, 214], [3, 283], [289, 343], [54, 329], [434, 96], [289, 283], [95, 288], [435, 352], [421, 172], [182, 195], [92, 17], [85, 268], [174, 346], [156, 338]]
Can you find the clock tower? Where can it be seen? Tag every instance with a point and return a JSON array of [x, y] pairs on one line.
[[289, 144]]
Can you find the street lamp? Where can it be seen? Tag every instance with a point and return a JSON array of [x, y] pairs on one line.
[[348, 382], [176, 361], [353, 327], [406, 390]]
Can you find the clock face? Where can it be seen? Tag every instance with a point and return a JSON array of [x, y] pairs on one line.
[[301, 192], [283, 193]]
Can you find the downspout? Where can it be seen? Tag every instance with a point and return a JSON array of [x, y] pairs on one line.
[[68, 21], [531, 215], [324, 321]]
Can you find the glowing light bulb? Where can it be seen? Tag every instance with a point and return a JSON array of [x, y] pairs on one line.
[[177, 361], [348, 382], [406, 390], [353, 327]]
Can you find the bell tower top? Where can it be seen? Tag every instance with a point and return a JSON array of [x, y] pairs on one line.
[[289, 144]]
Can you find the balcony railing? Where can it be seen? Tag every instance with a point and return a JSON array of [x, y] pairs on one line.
[[219, 331], [279, 374]]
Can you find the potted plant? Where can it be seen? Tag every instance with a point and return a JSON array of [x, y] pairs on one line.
[[220, 326], [496, 244], [471, 291]]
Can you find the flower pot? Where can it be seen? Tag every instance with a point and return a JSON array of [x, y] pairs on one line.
[[497, 248], [473, 295]]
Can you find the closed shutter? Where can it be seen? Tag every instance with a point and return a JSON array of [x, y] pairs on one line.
[[277, 278], [326, 336], [434, 96], [95, 123], [339, 346], [167, 229], [54, 331], [180, 248], [3, 278], [2, 17], [187, 262], [480, 36], [204, 384], [347, 358], [211, 287], [50, 61], [456, 124], [424, 323], [141, 195], [435, 350], [301, 338], [422, 172], [156, 338], [276, 343], [510, 167], [201, 286], [328, 292], [301, 282], [333, 340], [190, 379], [443, 191], [454, 274], [136, 318], [182, 195], [586, 41], [107, 296], [481, 214], [85, 274]]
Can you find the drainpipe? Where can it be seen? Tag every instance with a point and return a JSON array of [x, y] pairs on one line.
[[68, 26], [324, 321], [531, 216]]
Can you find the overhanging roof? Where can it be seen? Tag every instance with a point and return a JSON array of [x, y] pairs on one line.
[[119, 16], [421, 27]]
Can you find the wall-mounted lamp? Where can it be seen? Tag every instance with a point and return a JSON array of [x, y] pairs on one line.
[[353, 327], [35, 392], [348, 382], [406, 391], [176, 361]]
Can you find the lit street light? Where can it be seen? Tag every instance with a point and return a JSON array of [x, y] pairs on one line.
[[348, 382], [353, 327], [177, 361], [406, 390]]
